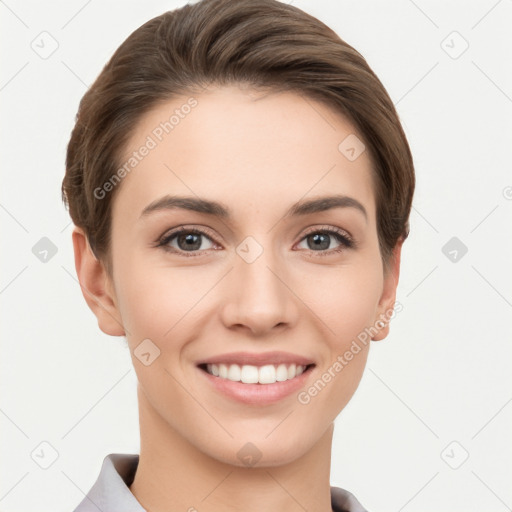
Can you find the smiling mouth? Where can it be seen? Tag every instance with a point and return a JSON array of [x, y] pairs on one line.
[[249, 374]]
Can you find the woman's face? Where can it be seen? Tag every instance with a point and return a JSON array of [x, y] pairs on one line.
[[259, 279]]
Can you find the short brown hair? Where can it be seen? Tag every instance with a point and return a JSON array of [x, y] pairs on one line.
[[261, 43]]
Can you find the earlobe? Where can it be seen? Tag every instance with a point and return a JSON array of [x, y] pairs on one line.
[[388, 297], [94, 282]]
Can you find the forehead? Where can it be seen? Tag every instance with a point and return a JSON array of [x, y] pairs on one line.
[[247, 148]]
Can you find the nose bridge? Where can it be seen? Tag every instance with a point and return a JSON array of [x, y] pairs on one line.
[[260, 300]]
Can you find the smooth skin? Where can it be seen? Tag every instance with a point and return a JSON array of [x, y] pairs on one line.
[[257, 154]]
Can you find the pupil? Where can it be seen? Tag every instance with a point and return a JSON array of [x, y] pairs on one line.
[[319, 239], [191, 241]]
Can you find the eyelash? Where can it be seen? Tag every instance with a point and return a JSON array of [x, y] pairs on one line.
[[346, 241]]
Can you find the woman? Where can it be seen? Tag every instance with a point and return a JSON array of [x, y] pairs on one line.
[[240, 186]]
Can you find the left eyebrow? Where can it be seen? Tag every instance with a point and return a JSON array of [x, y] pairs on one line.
[[322, 204], [319, 204]]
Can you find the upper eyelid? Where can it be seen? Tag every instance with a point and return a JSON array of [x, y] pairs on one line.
[[186, 229], [314, 229]]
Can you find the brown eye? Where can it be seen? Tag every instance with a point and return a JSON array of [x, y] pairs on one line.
[[186, 240], [322, 240]]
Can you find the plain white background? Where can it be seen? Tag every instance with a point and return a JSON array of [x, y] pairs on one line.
[[429, 426]]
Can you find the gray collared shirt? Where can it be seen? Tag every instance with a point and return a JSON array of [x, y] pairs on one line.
[[111, 492]]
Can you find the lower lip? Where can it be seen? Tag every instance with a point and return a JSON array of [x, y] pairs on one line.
[[258, 394]]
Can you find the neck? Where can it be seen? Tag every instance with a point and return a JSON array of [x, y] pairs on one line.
[[174, 475]]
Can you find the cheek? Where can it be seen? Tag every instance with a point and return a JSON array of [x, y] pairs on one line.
[[345, 301], [345, 298], [159, 302]]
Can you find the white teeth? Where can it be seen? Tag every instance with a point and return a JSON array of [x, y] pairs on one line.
[[248, 374], [223, 371], [267, 374], [282, 373]]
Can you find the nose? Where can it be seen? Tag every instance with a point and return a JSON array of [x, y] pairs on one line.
[[257, 297]]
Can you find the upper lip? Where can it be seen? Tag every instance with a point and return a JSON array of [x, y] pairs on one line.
[[264, 358]]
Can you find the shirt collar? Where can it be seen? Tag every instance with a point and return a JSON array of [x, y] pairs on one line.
[[111, 491]]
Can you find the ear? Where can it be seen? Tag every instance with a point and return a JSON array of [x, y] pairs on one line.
[[388, 297], [96, 285]]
